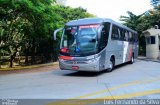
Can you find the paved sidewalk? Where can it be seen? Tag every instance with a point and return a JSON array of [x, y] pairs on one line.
[[31, 69], [148, 59]]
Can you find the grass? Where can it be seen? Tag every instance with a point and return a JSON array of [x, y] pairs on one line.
[[29, 67]]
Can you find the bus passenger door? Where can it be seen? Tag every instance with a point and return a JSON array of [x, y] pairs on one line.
[[116, 44], [103, 41]]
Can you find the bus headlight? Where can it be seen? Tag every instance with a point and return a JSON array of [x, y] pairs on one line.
[[93, 60]]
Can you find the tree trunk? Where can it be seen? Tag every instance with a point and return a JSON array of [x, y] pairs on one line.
[[26, 55], [33, 53], [12, 57], [26, 59], [11, 61], [55, 51], [19, 60], [0, 60]]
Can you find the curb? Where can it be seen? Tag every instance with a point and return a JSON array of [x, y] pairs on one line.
[[29, 67], [145, 59]]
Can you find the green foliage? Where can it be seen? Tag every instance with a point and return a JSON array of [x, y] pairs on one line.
[[141, 23], [155, 2], [27, 26]]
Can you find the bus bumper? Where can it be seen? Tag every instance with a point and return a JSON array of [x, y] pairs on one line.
[[90, 65]]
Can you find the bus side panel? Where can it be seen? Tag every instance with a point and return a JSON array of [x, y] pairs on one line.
[[102, 60], [132, 49], [114, 49]]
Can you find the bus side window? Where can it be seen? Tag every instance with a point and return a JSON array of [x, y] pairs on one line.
[[132, 39], [122, 34], [135, 38], [115, 33], [126, 36], [104, 35], [130, 36]]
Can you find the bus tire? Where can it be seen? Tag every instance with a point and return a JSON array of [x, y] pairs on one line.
[[132, 59], [111, 64]]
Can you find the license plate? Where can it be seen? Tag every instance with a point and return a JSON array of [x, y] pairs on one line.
[[75, 67]]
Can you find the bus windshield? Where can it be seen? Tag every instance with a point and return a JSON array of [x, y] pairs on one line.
[[79, 40]]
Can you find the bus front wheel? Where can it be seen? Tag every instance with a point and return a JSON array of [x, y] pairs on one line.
[[111, 65]]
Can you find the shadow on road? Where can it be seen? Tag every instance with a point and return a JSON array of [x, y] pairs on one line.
[[82, 74]]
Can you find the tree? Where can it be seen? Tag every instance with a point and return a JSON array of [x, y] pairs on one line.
[[139, 24], [61, 2], [155, 16], [155, 2], [27, 27], [131, 20], [23, 23], [143, 22], [11, 27]]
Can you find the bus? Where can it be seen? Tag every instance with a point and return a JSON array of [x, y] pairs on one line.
[[96, 44]]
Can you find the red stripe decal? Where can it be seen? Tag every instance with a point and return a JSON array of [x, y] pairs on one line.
[[65, 57], [130, 55]]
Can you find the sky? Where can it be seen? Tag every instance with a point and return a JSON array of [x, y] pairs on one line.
[[111, 8]]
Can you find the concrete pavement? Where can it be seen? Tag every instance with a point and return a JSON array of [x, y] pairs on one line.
[[140, 80]]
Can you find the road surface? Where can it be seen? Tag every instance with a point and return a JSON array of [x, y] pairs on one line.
[[140, 80]]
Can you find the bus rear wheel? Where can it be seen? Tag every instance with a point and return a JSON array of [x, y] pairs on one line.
[[132, 59], [111, 65]]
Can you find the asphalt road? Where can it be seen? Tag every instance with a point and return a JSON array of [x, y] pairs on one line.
[[140, 80]]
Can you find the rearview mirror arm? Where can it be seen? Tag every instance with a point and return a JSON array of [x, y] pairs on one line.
[[55, 33]]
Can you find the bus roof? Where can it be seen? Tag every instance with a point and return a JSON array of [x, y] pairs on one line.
[[87, 21]]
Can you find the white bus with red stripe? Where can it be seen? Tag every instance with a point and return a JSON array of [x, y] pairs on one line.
[[96, 44]]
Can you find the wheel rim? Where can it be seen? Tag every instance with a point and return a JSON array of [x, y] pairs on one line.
[[132, 59], [110, 65]]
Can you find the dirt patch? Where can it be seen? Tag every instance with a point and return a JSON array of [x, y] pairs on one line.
[[31, 70]]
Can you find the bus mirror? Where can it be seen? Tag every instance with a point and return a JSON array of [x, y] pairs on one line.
[[100, 32], [55, 33]]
